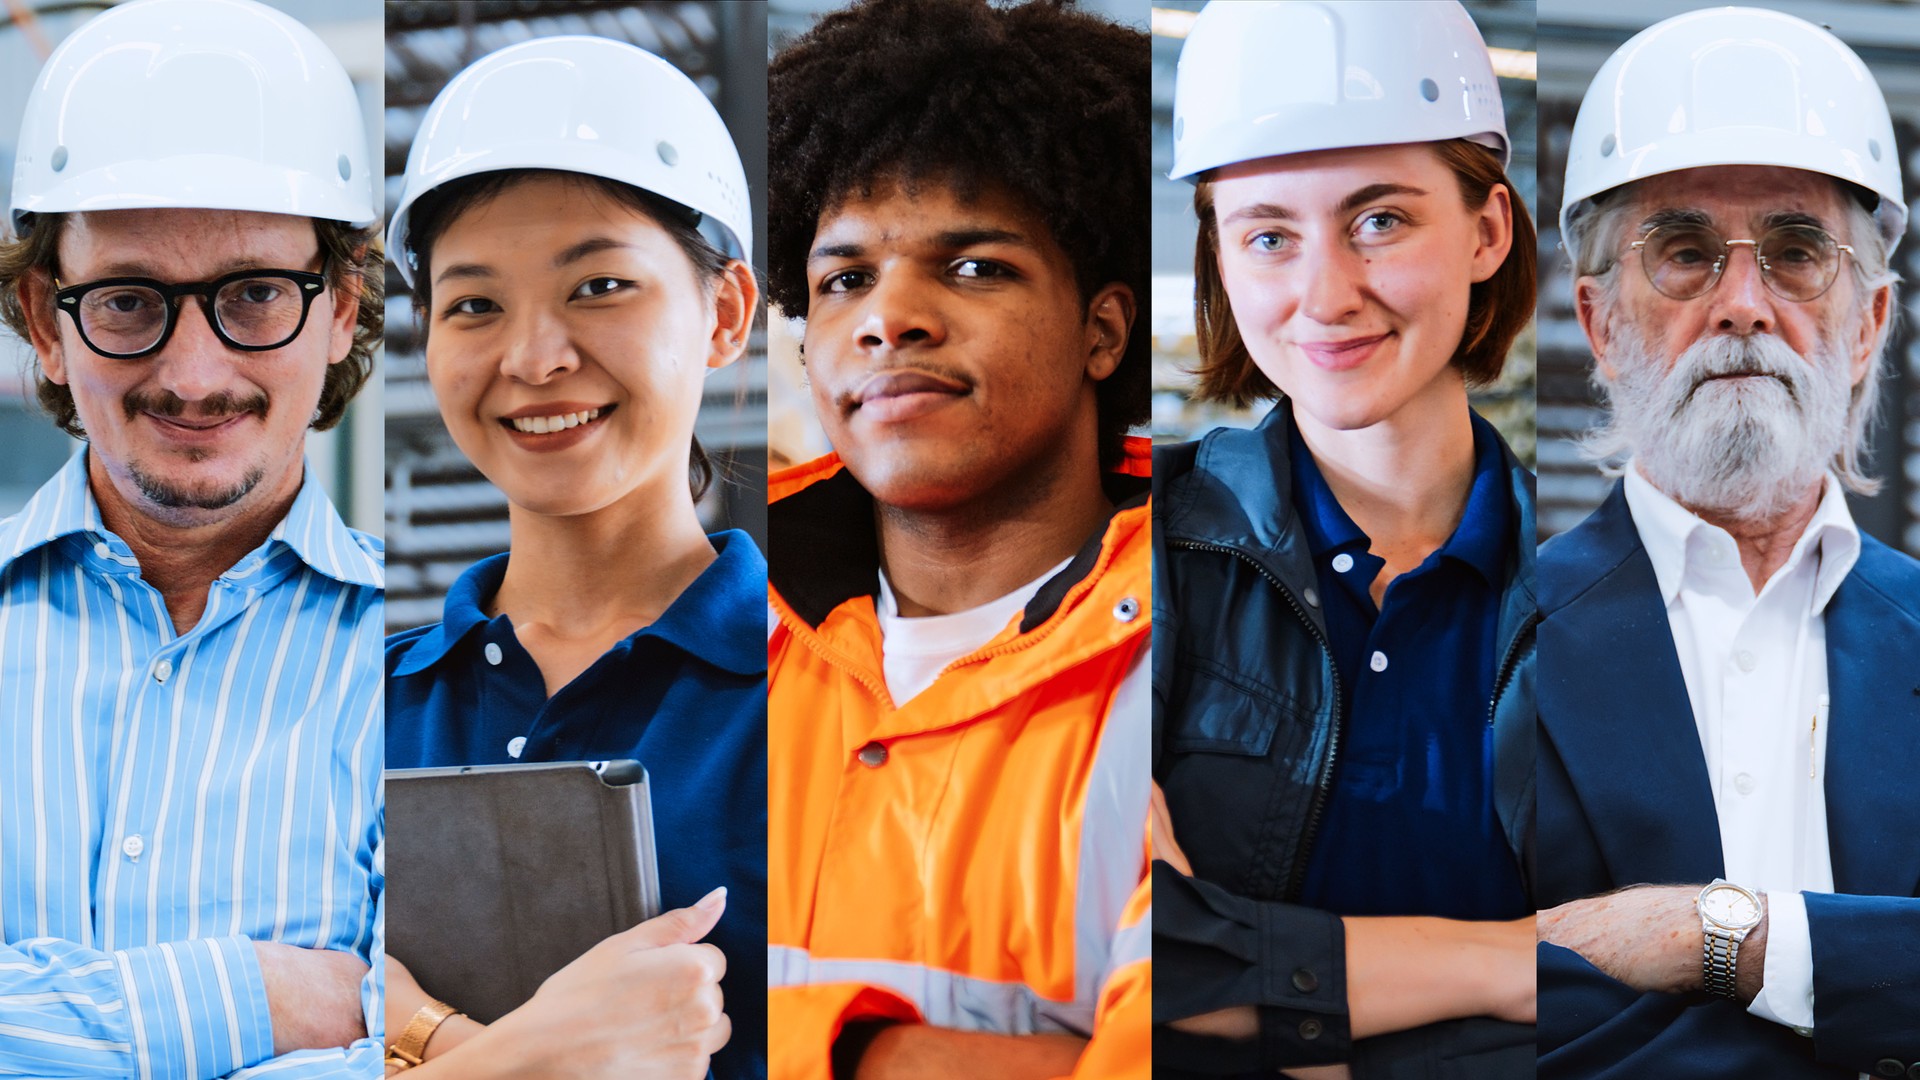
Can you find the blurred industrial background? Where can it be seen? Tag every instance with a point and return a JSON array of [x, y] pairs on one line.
[[793, 435], [442, 515], [347, 459], [1576, 37], [1508, 27]]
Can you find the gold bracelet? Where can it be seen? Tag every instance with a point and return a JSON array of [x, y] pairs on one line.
[[411, 1047]]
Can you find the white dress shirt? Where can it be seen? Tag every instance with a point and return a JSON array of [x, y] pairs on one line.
[[1756, 672]]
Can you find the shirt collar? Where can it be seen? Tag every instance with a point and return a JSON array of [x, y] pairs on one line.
[[312, 529], [720, 618], [1480, 540], [1673, 535]]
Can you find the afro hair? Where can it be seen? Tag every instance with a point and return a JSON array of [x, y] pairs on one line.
[[1038, 99]]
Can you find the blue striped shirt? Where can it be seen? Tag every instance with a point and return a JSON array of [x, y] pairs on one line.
[[168, 799]]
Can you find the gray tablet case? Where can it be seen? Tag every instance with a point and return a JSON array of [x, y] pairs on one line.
[[499, 875]]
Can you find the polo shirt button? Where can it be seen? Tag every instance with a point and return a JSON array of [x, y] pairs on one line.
[[1745, 659], [101, 549], [493, 653], [1312, 598], [162, 671], [1342, 563], [133, 846], [1304, 981], [1890, 1067], [873, 755], [1744, 783], [1379, 661], [515, 745], [1310, 1029]]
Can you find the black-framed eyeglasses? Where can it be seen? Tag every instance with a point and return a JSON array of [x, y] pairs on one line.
[[125, 318], [1797, 262]]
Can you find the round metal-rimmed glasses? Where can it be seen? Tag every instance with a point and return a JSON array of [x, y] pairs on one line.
[[1797, 262], [125, 318]]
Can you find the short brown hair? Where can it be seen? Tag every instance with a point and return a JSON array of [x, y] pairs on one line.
[[353, 260], [1497, 308]]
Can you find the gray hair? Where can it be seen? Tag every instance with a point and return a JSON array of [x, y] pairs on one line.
[[1596, 232]]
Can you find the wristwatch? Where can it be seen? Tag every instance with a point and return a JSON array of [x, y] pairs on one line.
[[1728, 912]]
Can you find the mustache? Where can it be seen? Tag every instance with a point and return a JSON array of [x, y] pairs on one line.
[[1733, 357], [169, 404]]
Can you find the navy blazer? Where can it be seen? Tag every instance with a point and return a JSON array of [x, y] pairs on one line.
[[1624, 799]]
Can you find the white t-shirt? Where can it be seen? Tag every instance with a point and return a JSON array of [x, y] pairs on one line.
[[913, 652]]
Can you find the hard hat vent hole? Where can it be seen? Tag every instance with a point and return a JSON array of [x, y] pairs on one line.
[[1429, 89], [60, 158], [1606, 146], [667, 153], [345, 167], [1873, 147]]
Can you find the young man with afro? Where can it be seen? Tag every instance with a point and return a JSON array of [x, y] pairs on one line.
[[958, 659]]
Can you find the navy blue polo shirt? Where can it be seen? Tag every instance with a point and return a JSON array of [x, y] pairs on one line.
[[1409, 827], [685, 696]]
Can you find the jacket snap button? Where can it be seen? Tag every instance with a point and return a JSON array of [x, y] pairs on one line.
[[1127, 609], [1304, 981], [873, 755], [1310, 1029]]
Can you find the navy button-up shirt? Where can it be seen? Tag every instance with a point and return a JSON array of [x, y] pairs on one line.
[[685, 696], [1409, 827]]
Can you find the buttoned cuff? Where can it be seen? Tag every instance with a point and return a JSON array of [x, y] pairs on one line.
[[1786, 990], [198, 1008]]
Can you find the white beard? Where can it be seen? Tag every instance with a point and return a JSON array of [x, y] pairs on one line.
[[1746, 448]]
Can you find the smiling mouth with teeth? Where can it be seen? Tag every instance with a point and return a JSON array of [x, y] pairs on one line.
[[547, 425]]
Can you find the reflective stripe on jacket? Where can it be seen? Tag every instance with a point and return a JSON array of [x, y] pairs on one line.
[[982, 864]]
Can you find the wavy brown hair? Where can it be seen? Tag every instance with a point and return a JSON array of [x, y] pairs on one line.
[[353, 264], [1497, 308]]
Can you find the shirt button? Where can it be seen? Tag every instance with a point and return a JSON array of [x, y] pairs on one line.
[[101, 549], [1310, 1029], [1127, 610], [1890, 1067], [1379, 661], [1744, 783], [493, 654], [873, 755], [1745, 659], [515, 745], [133, 846], [1304, 981], [1342, 563], [1312, 598], [162, 671]]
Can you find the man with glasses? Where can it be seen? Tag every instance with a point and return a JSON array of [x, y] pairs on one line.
[[190, 706], [1729, 669]]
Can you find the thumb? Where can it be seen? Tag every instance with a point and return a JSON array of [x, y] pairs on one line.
[[681, 926]]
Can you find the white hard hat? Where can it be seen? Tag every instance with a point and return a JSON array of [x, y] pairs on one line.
[[587, 105], [201, 104], [1735, 86], [1286, 76]]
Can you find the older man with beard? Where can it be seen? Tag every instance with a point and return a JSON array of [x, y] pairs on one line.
[[1729, 670]]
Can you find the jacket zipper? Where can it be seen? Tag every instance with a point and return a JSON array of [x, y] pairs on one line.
[[1507, 665], [1297, 879]]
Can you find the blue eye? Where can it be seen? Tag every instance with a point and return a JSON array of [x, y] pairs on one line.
[[1381, 221], [600, 286], [1268, 242]]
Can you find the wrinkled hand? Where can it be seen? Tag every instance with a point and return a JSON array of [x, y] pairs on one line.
[[313, 996], [1647, 936], [1165, 847], [642, 1005]]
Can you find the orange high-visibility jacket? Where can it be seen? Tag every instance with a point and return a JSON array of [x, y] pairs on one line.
[[977, 859]]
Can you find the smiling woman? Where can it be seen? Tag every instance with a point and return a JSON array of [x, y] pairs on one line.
[[1364, 557], [574, 291]]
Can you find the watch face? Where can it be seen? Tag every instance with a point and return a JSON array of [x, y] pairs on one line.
[[1730, 908]]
